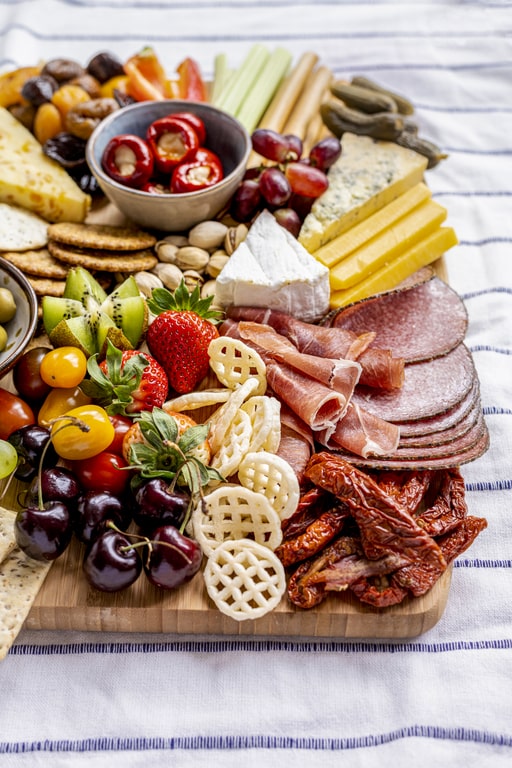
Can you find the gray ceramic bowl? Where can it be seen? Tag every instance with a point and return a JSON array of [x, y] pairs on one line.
[[21, 329], [172, 213]]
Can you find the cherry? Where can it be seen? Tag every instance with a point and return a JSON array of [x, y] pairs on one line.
[[94, 509], [111, 563], [57, 484], [43, 532], [173, 558], [30, 442], [156, 505]]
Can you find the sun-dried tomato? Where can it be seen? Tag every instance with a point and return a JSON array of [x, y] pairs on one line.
[[449, 506], [319, 533]]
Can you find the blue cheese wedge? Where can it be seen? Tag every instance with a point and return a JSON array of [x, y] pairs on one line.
[[271, 269], [368, 175], [31, 180]]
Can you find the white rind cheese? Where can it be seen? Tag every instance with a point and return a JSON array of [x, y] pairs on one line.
[[271, 269], [31, 180], [368, 175]]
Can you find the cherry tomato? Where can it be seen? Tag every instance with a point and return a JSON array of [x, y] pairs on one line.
[[27, 378], [63, 367], [103, 472], [59, 401], [74, 442], [14, 413], [121, 426]]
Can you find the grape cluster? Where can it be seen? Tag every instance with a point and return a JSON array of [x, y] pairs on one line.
[[289, 183]]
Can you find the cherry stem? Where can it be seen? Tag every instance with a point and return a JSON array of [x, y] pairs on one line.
[[71, 421]]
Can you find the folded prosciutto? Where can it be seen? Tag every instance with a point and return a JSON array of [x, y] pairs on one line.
[[362, 433]]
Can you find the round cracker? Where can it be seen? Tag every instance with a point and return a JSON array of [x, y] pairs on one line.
[[21, 230], [102, 236], [45, 286], [106, 261], [39, 263]]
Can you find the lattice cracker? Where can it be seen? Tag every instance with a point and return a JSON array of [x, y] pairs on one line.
[[236, 443], [199, 399], [233, 362], [244, 579], [232, 512], [262, 412], [220, 421], [272, 476]]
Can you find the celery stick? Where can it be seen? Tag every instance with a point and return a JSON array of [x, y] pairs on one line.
[[259, 96], [221, 75], [245, 76]]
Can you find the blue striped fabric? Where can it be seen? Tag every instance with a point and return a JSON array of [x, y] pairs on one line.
[[75, 699]]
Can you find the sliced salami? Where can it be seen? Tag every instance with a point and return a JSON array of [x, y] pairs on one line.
[[442, 421], [420, 323], [445, 435], [429, 388]]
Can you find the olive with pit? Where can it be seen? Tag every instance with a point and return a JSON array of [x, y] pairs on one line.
[[7, 305]]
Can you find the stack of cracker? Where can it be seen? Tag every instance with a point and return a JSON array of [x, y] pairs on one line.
[[45, 252]]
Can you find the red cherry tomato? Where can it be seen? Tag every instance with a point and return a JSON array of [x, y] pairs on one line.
[[204, 170], [128, 160], [14, 413], [121, 426], [171, 141], [103, 472]]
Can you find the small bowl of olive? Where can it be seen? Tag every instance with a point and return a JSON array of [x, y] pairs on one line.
[[18, 315], [158, 201]]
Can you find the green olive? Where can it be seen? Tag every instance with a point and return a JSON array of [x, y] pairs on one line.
[[3, 338], [7, 305]]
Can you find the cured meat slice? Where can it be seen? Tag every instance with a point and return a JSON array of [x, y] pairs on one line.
[[294, 449], [379, 367], [319, 406], [362, 433], [445, 435], [385, 526], [338, 374], [423, 322], [429, 388], [442, 421]]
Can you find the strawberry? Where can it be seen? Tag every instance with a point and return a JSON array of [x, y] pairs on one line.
[[180, 335], [126, 381]]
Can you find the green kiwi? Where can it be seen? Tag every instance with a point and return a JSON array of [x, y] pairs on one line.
[[86, 316]]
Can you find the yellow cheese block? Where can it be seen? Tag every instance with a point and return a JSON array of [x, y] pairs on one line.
[[387, 277], [32, 180], [361, 233], [368, 175], [384, 248]]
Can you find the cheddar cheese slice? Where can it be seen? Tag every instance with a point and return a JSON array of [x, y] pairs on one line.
[[368, 175], [384, 248], [30, 179], [378, 222], [387, 277]]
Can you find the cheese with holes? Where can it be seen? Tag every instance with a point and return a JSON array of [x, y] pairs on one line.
[[368, 175], [271, 269], [383, 248], [374, 225], [31, 180], [428, 250]]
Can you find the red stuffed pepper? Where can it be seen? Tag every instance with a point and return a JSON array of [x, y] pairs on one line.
[[128, 160], [171, 141], [204, 171]]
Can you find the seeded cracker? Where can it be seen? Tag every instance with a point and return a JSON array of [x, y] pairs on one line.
[[7, 539], [20, 581], [44, 286], [101, 236], [106, 261], [39, 263]]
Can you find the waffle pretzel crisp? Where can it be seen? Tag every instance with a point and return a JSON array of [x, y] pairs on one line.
[[244, 579], [233, 362], [272, 476]]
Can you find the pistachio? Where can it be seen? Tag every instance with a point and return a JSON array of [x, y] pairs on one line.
[[146, 281], [217, 262], [208, 234], [192, 278], [235, 236], [166, 251], [191, 257], [170, 275], [179, 240]]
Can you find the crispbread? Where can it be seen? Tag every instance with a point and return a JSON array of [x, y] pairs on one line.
[[107, 260], [39, 263], [20, 580], [44, 286], [21, 229], [101, 236], [7, 539]]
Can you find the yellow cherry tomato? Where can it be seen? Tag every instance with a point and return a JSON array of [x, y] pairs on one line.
[[90, 434], [63, 367], [60, 401]]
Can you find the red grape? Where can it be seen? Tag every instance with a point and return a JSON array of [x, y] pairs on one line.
[[274, 186], [295, 146], [306, 180], [270, 144], [289, 219], [246, 200], [325, 152]]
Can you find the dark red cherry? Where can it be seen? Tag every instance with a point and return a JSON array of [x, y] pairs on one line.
[[94, 509], [157, 505], [57, 484], [29, 442], [43, 533], [173, 558], [111, 563]]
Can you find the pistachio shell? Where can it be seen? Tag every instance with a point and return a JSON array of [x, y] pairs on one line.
[[170, 275], [217, 262], [207, 234], [191, 257], [146, 281]]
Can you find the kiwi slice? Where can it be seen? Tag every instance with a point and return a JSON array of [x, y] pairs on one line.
[[86, 316]]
